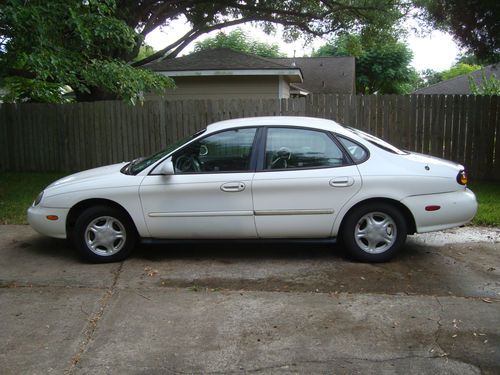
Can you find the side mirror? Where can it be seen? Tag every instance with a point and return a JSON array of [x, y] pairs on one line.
[[166, 168]]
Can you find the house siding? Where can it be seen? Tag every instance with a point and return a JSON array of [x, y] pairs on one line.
[[225, 87], [284, 88]]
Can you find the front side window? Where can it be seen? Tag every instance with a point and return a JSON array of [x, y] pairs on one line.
[[227, 151], [288, 148], [138, 165]]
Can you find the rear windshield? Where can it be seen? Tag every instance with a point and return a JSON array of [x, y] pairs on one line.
[[378, 142]]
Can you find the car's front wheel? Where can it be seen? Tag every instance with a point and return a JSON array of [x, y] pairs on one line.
[[104, 234], [374, 232]]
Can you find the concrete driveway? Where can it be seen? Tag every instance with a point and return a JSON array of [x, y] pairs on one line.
[[251, 309]]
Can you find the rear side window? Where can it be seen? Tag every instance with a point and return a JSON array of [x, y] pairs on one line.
[[378, 142], [291, 148], [357, 152]]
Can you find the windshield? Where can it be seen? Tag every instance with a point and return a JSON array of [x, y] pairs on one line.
[[139, 164], [377, 142]]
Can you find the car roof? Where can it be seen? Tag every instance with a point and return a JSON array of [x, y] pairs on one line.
[[302, 121]]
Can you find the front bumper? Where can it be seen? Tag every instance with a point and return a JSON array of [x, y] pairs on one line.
[[37, 218], [456, 208]]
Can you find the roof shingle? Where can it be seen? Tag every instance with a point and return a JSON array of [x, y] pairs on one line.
[[216, 59], [320, 74], [460, 85], [332, 74]]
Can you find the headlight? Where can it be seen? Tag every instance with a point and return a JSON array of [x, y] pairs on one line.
[[38, 198]]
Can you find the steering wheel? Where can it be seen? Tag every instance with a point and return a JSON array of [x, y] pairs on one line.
[[187, 163], [284, 154]]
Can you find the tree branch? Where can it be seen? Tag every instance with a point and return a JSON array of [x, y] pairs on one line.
[[317, 23], [187, 38]]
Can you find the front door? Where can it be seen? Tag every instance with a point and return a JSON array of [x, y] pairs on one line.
[[210, 194], [305, 180]]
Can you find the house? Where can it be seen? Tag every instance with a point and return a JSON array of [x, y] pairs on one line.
[[325, 75], [224, 73], [460, 84]]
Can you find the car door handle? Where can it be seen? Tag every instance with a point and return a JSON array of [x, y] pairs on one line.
[[232, 187], [341, 181]]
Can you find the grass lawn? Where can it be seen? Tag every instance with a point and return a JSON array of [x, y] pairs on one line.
[[18, 190], [488, 196]]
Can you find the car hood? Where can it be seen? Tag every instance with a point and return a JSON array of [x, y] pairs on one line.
[[87, 176]]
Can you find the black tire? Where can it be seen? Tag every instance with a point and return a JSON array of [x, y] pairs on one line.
[[112, 238], [374, 232]]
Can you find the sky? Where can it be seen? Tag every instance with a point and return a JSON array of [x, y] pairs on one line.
[[436, 50]]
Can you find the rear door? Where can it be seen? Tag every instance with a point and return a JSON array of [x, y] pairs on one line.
[[304, 179]]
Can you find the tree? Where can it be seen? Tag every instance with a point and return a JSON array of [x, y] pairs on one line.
[[431, 77], [474, 23], [344, 45], [382, 63], [144, 51], [386, 70], [91, 45], [46, 45], [487, 86], [458, 70], [297, 16], [470, 59], [238, 40]]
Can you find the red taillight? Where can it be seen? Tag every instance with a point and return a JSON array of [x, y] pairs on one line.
[[432, 208], [462, 178]]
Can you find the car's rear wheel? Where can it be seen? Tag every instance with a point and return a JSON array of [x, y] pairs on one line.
[[374, 232], [104, 234]]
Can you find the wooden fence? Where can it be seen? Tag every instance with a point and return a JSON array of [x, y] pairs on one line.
[[72, 137]]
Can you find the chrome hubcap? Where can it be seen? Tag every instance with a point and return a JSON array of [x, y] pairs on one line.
[[105, 236], [375, 232]]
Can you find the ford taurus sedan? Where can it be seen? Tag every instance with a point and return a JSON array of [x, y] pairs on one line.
[[258, 179]]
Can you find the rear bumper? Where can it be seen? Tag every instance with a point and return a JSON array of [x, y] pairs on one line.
[[37, 218], [456, 208]]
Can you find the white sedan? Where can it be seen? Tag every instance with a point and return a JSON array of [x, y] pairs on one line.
[[257, 179]]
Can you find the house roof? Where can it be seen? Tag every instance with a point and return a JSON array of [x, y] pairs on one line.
[[224, 61], [460, 84], [332, 74]]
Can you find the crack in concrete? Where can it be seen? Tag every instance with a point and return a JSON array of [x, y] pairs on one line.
[[349, 360], [437, 338], [438, 330], [104, 301], [267, 284], [295, 364], [93, 321], [203, 288], [14, 285]]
